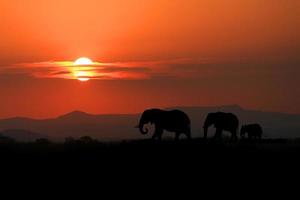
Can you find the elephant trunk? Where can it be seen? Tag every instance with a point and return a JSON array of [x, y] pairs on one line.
[[142, 130], [141, 127]]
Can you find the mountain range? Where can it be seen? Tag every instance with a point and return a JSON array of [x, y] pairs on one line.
[[121, 126]]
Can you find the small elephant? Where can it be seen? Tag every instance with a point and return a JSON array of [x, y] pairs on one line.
[[253, 130], [221, 121], [173, 121]]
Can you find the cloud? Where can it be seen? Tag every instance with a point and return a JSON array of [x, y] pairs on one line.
[[111, 69], [60, 72], [135, 70]]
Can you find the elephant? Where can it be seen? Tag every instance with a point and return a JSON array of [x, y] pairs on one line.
[[221, 121], [173, 121], [253, 130]]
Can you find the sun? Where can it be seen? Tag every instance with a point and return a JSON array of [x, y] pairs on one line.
[[83, 61], [81, 69]]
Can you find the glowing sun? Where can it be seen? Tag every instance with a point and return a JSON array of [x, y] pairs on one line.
[[81, 73], [83, 61]]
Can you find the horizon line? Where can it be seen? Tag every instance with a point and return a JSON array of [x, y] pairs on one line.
[[135, 113]]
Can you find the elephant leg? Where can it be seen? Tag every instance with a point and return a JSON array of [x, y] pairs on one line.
[[154, 136], [218, 134], [234, 136], [188, 135], [177, 134], [158, 134]]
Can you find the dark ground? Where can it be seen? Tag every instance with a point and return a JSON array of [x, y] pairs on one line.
[[151, 164], [145, 153]]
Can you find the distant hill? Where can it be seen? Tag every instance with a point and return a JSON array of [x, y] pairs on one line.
[[77, 124], [116, 127], [21, 135], [5, 139]]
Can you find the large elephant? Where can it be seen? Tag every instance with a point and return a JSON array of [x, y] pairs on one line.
[[253, 130], [173, 121], [221, 121]]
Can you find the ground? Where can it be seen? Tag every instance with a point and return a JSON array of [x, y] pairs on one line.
[[166, 152], [153, 165]]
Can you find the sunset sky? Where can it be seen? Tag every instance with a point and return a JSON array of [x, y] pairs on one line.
[[148, 53]]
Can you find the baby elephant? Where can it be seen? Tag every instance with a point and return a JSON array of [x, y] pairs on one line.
[[253, 130]]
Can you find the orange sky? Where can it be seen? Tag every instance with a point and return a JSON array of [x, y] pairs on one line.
[[192, 52]]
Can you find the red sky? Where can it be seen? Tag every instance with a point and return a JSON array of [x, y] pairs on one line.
[[157, 53]]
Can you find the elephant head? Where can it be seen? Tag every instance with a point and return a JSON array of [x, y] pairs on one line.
[[147, 116], [208, 122]]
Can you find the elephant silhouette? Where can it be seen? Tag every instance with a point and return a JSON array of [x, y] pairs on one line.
[[253, 130], [221, 121], [174, 121]]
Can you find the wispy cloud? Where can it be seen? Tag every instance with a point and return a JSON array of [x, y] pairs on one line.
[[175, 68]]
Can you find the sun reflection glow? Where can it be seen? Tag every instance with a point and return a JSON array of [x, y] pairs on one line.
[[82, 69]]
